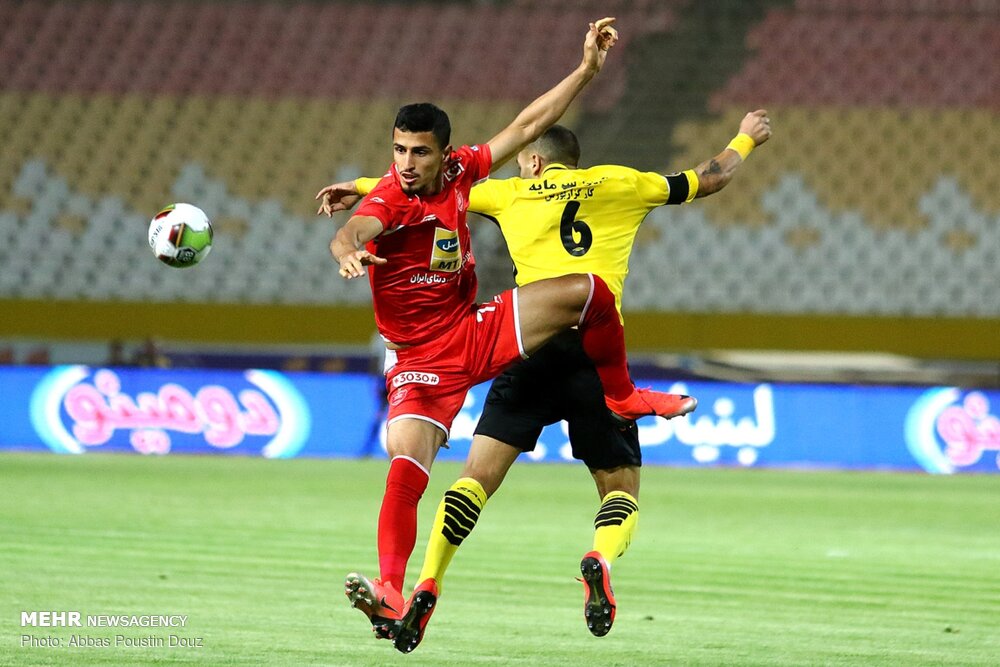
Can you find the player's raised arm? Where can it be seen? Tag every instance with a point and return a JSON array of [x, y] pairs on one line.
[[714, 174], [348, 248], [550, 107], [339, 197]]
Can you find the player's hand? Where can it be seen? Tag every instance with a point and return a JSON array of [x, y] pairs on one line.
[[352, 265], [601, 36], [757, 125], [337, 197]]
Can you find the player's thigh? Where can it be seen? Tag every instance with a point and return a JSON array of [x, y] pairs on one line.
[[596, 438], [518, 406], [549, 306]]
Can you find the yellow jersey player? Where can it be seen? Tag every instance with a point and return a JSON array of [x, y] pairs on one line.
[[557, 219]]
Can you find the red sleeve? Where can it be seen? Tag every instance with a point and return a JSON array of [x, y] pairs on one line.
[[477, 159]]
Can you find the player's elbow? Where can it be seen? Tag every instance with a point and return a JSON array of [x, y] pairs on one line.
[[526, 130]]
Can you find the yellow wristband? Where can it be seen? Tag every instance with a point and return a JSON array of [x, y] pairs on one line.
[[742, 144], [365, 185]]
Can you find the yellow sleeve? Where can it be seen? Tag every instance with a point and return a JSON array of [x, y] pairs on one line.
[[652, 188], [491, 196], [657, 189], [692, 179], [365, 185]]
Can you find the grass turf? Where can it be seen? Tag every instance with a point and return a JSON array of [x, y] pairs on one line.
[[729, 567]]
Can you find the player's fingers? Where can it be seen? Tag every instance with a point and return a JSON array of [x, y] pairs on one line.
[[603, 23], [323, 192]]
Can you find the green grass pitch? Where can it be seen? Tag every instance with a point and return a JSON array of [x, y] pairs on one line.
[[729, 567]]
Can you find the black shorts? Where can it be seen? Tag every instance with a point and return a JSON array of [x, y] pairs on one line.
[[559, 382]]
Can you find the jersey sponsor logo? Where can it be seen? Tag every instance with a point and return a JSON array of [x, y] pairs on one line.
[[415, 377], [447, 245], [378, 200], [447, 252], [427, 279]]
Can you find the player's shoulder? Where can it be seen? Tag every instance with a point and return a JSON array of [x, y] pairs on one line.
[[467, 154], [613, 170], [627, 177], [474, 159]]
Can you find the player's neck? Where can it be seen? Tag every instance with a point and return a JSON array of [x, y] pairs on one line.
[[435, 187]]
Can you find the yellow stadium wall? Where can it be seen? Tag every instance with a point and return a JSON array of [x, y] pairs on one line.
[[931, 338]]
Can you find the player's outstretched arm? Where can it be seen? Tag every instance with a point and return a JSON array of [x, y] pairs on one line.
[[715, 174], [338, 197], [348, 248], [550, 107]]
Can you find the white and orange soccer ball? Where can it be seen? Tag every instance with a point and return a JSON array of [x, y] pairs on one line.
[[180, 235]]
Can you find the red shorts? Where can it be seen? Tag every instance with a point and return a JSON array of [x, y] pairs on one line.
[[430, 381]]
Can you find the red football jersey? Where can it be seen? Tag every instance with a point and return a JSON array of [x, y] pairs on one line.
[[429, 280]]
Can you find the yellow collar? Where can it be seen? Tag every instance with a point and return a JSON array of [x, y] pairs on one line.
[[554, 165]]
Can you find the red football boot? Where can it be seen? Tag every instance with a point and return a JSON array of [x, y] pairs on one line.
[[646, 402], [598, 598], [381, 603], [419, 609]]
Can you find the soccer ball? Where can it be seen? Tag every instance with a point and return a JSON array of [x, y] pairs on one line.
[[180, 235]]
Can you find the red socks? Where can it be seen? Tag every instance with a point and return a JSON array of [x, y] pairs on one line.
[[604, 341], [397, 520]]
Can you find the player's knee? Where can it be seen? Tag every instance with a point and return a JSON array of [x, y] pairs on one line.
[[575, 290], [488, 478]]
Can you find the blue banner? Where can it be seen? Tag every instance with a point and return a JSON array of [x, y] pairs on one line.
[[76, 409]]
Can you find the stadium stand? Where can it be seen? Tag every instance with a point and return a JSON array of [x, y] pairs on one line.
[[877, 197]]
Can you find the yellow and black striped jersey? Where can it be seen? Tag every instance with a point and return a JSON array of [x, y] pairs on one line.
[[576, 220]]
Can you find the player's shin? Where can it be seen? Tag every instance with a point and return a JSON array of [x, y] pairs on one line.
[[614, 524], [604, 341], [397, 520], [456, 517]]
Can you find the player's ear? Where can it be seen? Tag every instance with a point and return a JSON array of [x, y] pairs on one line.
[[537, 164]]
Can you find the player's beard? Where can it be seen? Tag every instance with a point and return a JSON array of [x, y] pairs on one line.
[[420, 186]]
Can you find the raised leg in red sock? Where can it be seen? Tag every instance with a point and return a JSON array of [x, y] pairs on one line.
[[604, 340]]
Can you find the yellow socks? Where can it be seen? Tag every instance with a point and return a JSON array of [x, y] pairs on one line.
[[455, 518], [614, 524]]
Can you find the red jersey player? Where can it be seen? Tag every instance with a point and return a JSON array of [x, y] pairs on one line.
[[411, 232]]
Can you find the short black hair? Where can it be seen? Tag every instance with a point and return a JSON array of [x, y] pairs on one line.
[[425, 117], [558, 144]]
